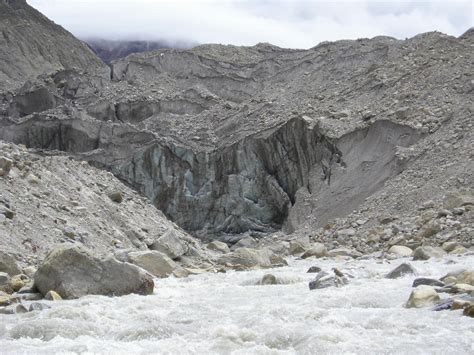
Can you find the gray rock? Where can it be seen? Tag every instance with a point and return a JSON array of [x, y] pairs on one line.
[[318, 250], [246, 258], [8, 264], [8, 213], [444, 305], [427, 281], [247, 242], [5, 165], [218, 247], [324, 280], [422, 296], [427, 252], [400, 250], [116, 196], [314, 269], [21, 309], [344, 252], [4, 279], [401, 270], [269, 279], [297, 247], [170, 244], [73, 271], [155, 262]]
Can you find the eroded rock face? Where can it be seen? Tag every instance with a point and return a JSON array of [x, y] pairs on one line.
[[250, 185], [73, 271]]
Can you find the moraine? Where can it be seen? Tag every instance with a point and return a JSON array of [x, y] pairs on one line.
[[229, 313]]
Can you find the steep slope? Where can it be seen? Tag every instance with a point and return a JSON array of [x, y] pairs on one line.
[[47, 200], [31, 44]]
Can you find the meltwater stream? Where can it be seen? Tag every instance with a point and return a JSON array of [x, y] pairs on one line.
[[229, 313]]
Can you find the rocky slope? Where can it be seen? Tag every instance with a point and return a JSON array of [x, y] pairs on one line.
[[30, 45], [51, 199], [110, 50], [228, 140]]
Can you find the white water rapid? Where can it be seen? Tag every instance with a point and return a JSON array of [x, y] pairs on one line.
[[229, 313]]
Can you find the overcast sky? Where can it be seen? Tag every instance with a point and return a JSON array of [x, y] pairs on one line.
[[287, 23]]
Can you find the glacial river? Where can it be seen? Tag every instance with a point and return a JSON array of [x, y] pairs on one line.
[[229, 313]]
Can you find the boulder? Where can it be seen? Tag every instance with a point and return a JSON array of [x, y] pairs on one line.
[[469, 311], [459, 250], [246, 258], [458, 199], [246, 242], [116, 196], [443, 305], [401, 270], [452, 276], [344, 252], [5, 165], [324, 280], [450, 246], [18, 281], [460, 304], [268, 279], [462, 288], [277, 260], [297, 247], [73, 271], [5, 299], [4, 279], [8, 264], [426, 252], [422, 296], [170, 244], [314, 269], [318, 250], [466, 277], [218, 246], [52, 296], [429, 230], [155, 262], [400, 250], [427, 281]]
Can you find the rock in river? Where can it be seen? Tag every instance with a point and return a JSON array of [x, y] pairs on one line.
[[422, 296], [400, 270]]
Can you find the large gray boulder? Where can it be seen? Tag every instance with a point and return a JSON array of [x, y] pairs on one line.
[[218, 247], [8, 264], [422, 296], [73, 271], [155, 262], [401, 270], [427, 252], [246, 258], [318, 250], [170, 244], [325, 280]]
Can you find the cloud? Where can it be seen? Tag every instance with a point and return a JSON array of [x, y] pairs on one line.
[[296, 24]]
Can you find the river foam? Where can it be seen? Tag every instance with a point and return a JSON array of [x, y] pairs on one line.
[[230, 313]]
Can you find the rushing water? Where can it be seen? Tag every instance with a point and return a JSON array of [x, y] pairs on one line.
[[229, 313]]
